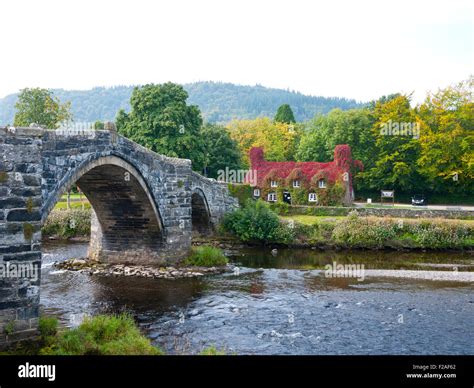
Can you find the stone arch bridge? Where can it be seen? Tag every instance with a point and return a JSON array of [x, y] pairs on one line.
[[145, 207]]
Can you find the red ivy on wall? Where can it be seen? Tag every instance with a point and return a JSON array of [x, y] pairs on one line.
[[332, 171]]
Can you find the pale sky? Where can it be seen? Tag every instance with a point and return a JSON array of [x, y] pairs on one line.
[[356, 49]]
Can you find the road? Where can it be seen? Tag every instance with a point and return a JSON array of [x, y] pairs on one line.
[[430, 207]]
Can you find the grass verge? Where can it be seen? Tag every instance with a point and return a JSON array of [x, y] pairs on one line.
[[206, 256]]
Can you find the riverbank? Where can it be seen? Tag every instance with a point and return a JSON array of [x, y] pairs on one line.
[[256, 222], [104, 335], [357, 232], [307, 231]]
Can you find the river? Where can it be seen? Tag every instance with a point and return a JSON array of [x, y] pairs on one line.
[[279, 303]]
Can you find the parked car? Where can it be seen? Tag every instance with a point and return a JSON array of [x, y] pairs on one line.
[[419, 200]]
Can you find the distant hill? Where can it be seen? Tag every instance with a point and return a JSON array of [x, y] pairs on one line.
[[219, 102]]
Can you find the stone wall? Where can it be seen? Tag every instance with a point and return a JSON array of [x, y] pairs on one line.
[[417, 213], [20, 233], [382, 212]]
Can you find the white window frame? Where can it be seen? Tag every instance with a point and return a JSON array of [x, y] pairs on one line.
[[256, 192], [322, 184], [312, 197], [272, 197], [296, 184], [273, 184]]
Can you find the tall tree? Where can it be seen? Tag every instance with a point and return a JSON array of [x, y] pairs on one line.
[[447, 139], [324, 132], [279, 140], [396, 148], [220, 150], [285, 114], [161, 120], [40, 106], [99, 125]]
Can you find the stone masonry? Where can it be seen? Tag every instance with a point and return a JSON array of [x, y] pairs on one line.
[[145, 207]]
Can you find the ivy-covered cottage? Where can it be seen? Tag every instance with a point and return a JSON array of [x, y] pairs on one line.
[[305, 183]]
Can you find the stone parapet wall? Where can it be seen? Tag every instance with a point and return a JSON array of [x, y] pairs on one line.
[[382, 212]]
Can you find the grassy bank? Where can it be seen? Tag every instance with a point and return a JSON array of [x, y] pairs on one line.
[[355, 231], [105, 335], [256, 222], [99, 335], [206, 256]]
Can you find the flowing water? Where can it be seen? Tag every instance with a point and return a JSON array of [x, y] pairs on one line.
[[281, 303]]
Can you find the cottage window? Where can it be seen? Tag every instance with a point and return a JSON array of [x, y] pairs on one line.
[[272, 197], [312, 197], [256, 192], [273, 183], [296, 184], [322, 184]]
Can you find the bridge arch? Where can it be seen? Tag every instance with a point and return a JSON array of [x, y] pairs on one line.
[[200, 213], [126, 222]]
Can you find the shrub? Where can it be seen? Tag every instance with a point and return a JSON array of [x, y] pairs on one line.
[[65, 224], [48, 326], [378, 232], [206, 256], [440, 234], [363, 232], [9, 328], [242, 192], [257, 222], [103, 335], [281, 208]]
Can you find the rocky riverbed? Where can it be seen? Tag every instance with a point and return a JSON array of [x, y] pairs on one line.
[[116, 270]]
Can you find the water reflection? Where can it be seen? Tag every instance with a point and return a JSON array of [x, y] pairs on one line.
[[317, 259]]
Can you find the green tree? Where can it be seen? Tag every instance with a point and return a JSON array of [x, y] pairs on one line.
[[121, 120], [325, 132], [41, 107], [99, 124], [279, 140], [447, 139], [285, 115], [161, 120], [220, 150], [396, 152]]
